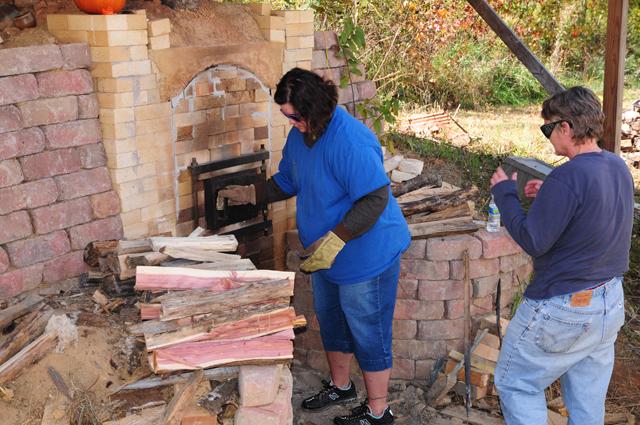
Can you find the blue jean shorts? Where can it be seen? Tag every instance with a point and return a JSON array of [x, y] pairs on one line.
[[357, 318]]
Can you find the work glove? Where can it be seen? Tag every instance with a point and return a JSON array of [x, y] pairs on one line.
[[239, 195], [322, 253]]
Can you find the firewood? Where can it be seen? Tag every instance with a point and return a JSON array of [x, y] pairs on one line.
[[119, 267], [133, 246], [556, 418], [151, 258], [477, 362], [177, 278], [197, 232], [178, 405], [478, 377], [438, 203], [59, 382], [416, 183], [55, 411], [427, 191], [150, 416], [30, 354], [100, 298], [232, 265], [150, 311], [25, 332], [98, 249], [487, 352], [9, 314], [222, 243], [217, 374], [462, 210], [197, 254], [445, 227]]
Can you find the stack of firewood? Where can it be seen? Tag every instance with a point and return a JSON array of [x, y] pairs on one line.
[[630, 129]]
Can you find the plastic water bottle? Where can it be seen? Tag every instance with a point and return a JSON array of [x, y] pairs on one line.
[[493, 222]]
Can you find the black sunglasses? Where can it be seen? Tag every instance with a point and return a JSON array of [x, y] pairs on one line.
[[548, 128], [295, 117]]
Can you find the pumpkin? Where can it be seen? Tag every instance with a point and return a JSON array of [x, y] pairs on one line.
[[103, 7]]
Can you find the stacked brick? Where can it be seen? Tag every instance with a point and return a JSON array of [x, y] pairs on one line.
[[265, 396], [135, 124], [55, 191], [429, 313]]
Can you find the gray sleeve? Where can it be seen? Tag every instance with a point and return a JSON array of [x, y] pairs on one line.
[[364, 214]]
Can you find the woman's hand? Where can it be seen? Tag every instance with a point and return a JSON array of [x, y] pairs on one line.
[[499, 176], [532, 187]]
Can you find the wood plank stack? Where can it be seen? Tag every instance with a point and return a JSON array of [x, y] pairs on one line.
[[210, 318]]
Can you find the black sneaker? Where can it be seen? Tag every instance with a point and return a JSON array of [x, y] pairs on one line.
[[361, 415], [328, 396]]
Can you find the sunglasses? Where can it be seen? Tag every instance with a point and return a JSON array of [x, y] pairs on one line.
[[548, 128], [295, 117]]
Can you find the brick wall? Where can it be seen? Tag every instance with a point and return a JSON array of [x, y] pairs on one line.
[[428, 318], [55, 191]]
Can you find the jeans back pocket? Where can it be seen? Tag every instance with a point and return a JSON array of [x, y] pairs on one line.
[[555, 335]]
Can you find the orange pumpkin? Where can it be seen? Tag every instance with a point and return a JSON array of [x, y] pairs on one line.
[[103, 7]]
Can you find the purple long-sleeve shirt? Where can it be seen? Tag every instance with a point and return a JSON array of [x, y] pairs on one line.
[[578, 229]]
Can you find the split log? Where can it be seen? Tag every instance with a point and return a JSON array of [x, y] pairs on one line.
[[477, 362], [114, 287], [9, 314], [450, 226], [150, 416], [233, 265], [91, 279], [27, 356], [119, 267], [55, 411], [177, 278], [427, 191], [556, 418], [463, 210], [197, 254], [133, 246], [178, 304], [177, 407], [439, 202], [150, 311], [197, 232], [222, 243], [478, 377], [25, 332], [98, 249], [206, 354], [217, 374], [151, 258], [417, 183]]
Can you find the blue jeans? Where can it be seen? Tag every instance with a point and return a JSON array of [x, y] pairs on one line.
[[549, 339], [358, 317]]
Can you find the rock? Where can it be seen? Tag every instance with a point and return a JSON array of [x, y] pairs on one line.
[[411, 166], [399, 176], [392, 163]]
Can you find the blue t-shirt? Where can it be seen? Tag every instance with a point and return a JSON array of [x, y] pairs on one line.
[[578, 229], [344, 164]]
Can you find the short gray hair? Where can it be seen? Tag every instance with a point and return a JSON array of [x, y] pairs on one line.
[[581, 107]]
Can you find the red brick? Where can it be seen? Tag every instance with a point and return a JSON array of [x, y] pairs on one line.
[[478, 268], [484, 286], [453, 309], [35, 250], [423, 369], [14, 226], [100, 230], [64, 83], [497, 244], [325, 39], [75, 133], [18, 89], [88, 106], [61, 215], [93, 155], [20, 143], [403, 369], [453, 247], [50, 163], [75, 55], [416, 250], [440, 329], [511, 262], [418, 310], [483, 305], [432, 270], [49, 111], [10, 118], [404, 329], [28, 195], [440, 290], [4, 261], [105, 204], [326, 59], [407, 289], [64, 267], [20, 280], [23, 60], [83, 183], [10, 173]]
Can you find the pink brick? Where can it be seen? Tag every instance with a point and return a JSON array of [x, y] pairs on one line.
[[83, 183], [28, 195], [511, 262], [366, 90], [75, 55], [100, 230], [407, 289], [418, 310], [258, 385], [49, 111], [23, 60], [93, 155], [10, 118], [10, 173], [453, 247], [440, 329], [61, 215], [416, 349], [440, 290], [20, 280], [50, 163], [404, 329], [423, 369], [35, 250], [483, 305], [75, 133], [105, 204], [424, 269], [64, 83], [64, 267], [453, 309], [497, 244], [403, 369], [326, 59], [325, 39], [484, 286], [522, 274], [88, 106], [20, 143], [416, 250], [18, 89], [14, 226], [4, 261], [478, 268]]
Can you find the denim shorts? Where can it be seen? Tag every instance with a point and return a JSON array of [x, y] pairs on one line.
[[357, 318]]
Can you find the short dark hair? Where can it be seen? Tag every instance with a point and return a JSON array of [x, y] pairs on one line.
[[581, 107], [313, 98]]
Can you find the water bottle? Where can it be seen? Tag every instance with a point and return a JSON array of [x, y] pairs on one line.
[[493, 222]]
